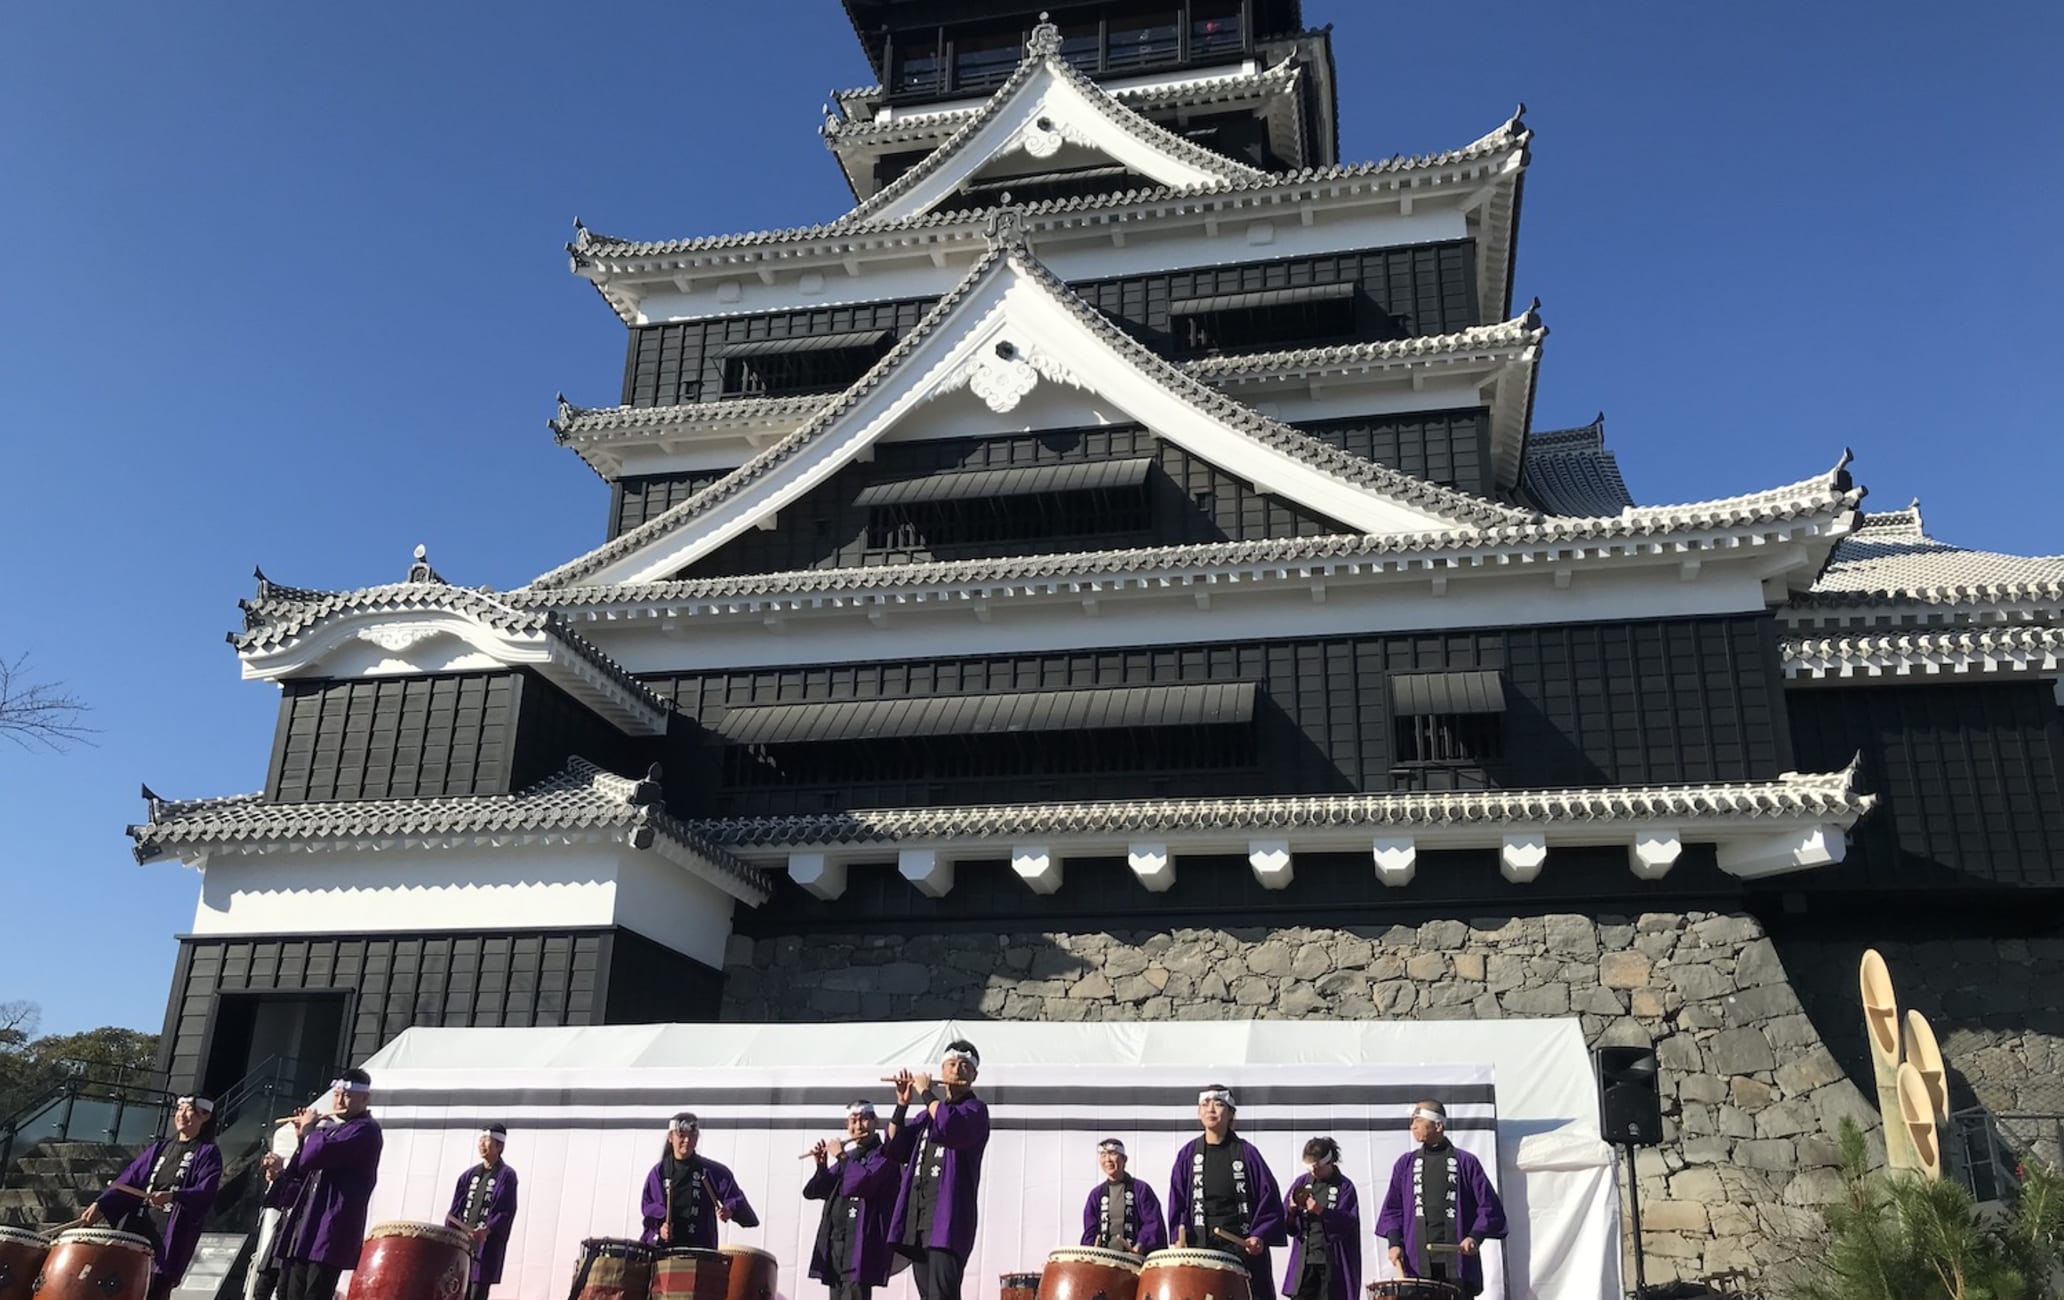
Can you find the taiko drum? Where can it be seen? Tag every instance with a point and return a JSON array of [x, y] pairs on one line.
[[1090, 1273], [412, 1261], [753, 1273], [21, 1258], [688, 1273], [1193, 1275], [612, 1268], [95, 1264], [1019, 1286]]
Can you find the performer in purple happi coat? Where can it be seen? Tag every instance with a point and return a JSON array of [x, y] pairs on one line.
[[856, 1180], [1439, 1195], [940, 1148], [1122, 1212], [483, 1204], [1325, 1229], [1221, 1185], [337, 1165], [179, 1177], [687, 1195]]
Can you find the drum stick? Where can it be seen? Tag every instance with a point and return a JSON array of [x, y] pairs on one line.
[[1233, 1237], [127, 1190]]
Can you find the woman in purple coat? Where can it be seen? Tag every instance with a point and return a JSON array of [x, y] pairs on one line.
[[687, 1194], [1221, 1188], [178, 1177], [1122, 1212], [484, 1204], [1439, 1195], [1325, 1229], [856, 1180]]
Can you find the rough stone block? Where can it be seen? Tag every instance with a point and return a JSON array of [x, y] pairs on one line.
[[1735, 1122], [1816, 1069], [1442, 936], [1547, 1000], [1573, 936], [1269, 959], [1791, 1031], [1646, 1003], [1132, 988], [1814, 1187], [1772, 1154], [1300, 1000], [1659, 922], [1427, 967], [1252, 991], [1124, 960], [1678, 1053], [1697, 982], [1727, 931], [1748, 1094], [1310, 961], [1673, 1216], [1092, 987], [1752, 1006], [1503, 971], [1697, 1186], [1624, 970], [1470, 966], [1740, 1051], [1597, 1002], [1758, 964], [1702, 1087], [1670, 1245], [1786, 1119], [1396, 997]]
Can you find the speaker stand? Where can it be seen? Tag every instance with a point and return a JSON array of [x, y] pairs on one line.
[[1634, 1205]]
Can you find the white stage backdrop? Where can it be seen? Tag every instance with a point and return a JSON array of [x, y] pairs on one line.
[[586, 1110]]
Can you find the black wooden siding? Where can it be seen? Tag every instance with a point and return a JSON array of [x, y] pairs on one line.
[[1190, 500], [1587, 704], [1447, 447], [433, 736], [464, 979], [1969, 777], [1417, 290]]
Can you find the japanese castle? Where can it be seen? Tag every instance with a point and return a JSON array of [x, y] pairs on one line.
[[1127, 516]]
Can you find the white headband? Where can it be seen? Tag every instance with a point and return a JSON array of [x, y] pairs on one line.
[[860, 1108], [1215, 1094], [348, 1085], [502, 1138], [684, 1126], [961, 1054], [205, 1105], [1112, 1145], [1430, 1116]]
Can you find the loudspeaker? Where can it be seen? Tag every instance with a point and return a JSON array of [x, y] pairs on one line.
[[1630, 1102]]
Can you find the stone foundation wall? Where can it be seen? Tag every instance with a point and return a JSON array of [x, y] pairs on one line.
[[1752, 1093]]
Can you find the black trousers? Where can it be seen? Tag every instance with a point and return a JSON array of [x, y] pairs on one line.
[[268, 1283], [938, 1274], [161, 1287], [478, 1290], [302, 1279], [850, 1290]]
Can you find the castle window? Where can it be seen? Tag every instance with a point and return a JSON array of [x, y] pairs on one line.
[[1215, 28], [977, 507], [1264, 318], [805, 364], [1448, 720]]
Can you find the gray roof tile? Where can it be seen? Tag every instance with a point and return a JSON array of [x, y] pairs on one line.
[[1891, 560], [1570, 472]]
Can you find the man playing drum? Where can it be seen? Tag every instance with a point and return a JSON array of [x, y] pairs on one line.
[[483, 1205], [940, 1148], [1325, 1229], [337, 1165], [687, 1194], [1122, 1213], [1221, 1195], [166, 1192], [856, 1180], [1439, 1196]]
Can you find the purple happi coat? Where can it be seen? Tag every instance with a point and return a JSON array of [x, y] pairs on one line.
[[1343, 1225], [337, 1167], [498, 1216], [1144, 1226], [708, 1176], [193, 1192], [870, 1178], [955, 1136], [1264, 1211], [1478, 1214]]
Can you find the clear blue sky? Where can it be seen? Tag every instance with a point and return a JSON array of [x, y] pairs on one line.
[[285, 287]]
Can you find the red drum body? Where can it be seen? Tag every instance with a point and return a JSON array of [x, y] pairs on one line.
[[690, 1274], [95, 1264], [611, 1268], [21, 1258], [1090, 1273], [412, 1261], [1020, 1286], [1194, 1275], [1415, 1288], [753, 1273]]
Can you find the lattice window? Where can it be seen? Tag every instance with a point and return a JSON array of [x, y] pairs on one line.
[[945, 525], [1450, 739]]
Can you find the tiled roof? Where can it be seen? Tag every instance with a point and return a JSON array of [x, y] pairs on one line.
[[1891, 560], [1824, 497], [592, 249], [581, 427], [1278, 78], [580, 799], [1824, 796], [1925, 652], [1569, 472], [1433, 498], [280, 615], [1043, 53]]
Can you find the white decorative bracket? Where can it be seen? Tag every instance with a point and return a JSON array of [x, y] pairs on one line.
[[1037, 866], [1153, 866], [1270, 860], [1654, 852], [1397, 859], [819, 878], [1521, 856], [924, 868]]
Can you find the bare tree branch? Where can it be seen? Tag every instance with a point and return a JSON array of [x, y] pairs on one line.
[[40, 715]]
